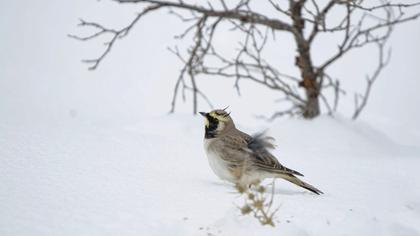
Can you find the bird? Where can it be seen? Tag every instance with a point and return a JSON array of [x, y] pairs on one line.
[[242, 159]]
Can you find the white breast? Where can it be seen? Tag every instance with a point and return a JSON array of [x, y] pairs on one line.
[[217, 164]]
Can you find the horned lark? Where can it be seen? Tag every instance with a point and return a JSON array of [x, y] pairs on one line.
[[240, 158]]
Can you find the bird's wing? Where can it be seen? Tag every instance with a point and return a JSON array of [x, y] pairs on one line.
[[232, 149], [238, 147], [259, 146]]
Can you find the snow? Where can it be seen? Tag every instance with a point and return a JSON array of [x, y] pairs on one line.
[[94, 153], [144, 178]]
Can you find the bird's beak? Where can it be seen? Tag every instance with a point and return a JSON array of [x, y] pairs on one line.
[[203, 113]]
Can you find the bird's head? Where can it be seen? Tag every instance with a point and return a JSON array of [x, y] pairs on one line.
[[217, 122]]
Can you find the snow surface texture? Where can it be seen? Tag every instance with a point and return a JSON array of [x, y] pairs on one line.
[[93, 153], [148, 179]]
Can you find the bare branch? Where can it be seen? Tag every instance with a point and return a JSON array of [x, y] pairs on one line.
[[359, 37], [116, 34], [384, 5], [245, 16], [319, 19], [383, 60], [361, 25]]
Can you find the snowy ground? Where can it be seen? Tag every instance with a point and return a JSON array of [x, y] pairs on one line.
[[70, 178], [93, 153]]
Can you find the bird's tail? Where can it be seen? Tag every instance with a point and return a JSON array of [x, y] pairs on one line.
[[295, 180]]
